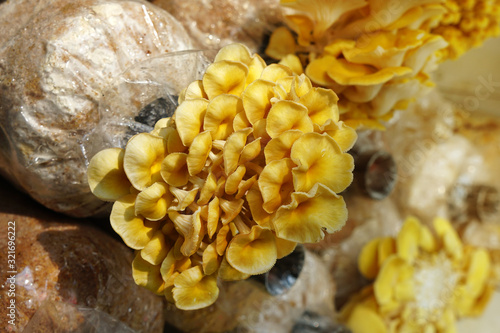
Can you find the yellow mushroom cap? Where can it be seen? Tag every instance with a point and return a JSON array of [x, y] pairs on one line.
[[147, 275], [225, 77], [276, 183], [281, 43], [229, 273], [189, 117], [253, 253], [198, 152], [325, 164], [287, 115], [142, 160], [321, 105], [156, 249], [174, 169], [309, 215], [106, 176], [194, 290], [280, 146], [134, 230], [152, 203], [191, 228], [220, 115], [257, 100]]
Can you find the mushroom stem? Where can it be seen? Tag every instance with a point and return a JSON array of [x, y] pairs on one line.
[[240, 225], [218, 144]]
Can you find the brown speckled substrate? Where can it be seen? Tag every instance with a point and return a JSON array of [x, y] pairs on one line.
[[62, 260]]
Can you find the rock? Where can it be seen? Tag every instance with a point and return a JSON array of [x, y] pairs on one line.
[[214, 24], [58, 259], [245, 306], [57, 60]]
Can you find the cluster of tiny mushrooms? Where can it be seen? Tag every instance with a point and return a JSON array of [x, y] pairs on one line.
[[250, 164]]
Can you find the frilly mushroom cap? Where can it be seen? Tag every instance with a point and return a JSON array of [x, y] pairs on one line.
[[220, 115], [344, 135], [288, 115], [211, 259], [106, 176], [310, 215], [189, 117], [198, 152], [321, 105], [156, 249], [142, 160], [257, 100], [281, 43], [326, 164], [276, 184], [229, 273], [280, 146], [225, 77], [194, 290], [147, 275], [253, 253], [174, 169], [191, 229], [135, 231], [152, 203]]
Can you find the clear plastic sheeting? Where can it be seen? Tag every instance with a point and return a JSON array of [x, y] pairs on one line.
[[59, 317], [58, 59]]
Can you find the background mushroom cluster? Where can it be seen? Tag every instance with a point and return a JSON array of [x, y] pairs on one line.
[[377, 56], [424, 279], [250, 164]]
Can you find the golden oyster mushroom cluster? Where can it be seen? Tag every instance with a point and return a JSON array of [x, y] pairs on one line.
[[467, 24], [249, 165], [423, 281], [376, 55]]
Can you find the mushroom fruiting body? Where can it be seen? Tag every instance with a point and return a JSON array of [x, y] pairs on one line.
[[423, 280], [247, 167], [378, 55]]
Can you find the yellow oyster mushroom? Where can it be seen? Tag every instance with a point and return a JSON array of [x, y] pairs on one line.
[[321, 105], [257, 100], [394, 271], [193, 91], [287, 115], [324, 13], [183, 198], [198, 152], [156, 249], [363, 319], [368, 262], [346, 73], [276, 184], [284, 247], [275, 72], [325, 164], [152, 203], [253, 253], [220, 115], [194, 290], [250, 151], [408, 240], [225, 77], [211, 259], [229, 273], [240, 53], [293, 62], [171, 267], [231, 209], [134, 230], [224, 235], [384, 49], [233, 149], [244, 186], [189, 117], [174, 142], [310, 215], [106, 176], [344, 135], [281, 43], [191, 228], [255, 203], [317, 70], [234, 180], [294, 87], [142, 160], [147, 275], [213, 216], [208, 189], [281, 146], [174, 169]]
